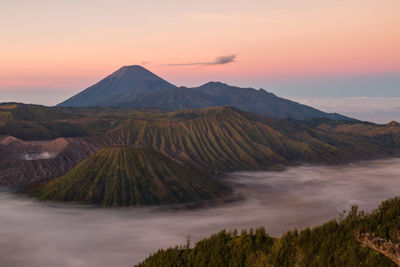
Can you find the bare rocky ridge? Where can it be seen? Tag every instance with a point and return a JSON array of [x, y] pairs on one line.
[[22, 163], [383, 246], [12, 148]]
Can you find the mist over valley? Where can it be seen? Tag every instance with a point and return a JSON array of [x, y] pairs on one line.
[[46, 234]]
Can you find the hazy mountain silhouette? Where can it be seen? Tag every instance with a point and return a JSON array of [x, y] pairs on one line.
[[134, 86], [261, 102], [121, 86]]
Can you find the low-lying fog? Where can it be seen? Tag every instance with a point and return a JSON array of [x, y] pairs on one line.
[[38, 234]]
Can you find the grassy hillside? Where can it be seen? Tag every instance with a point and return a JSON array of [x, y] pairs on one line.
[[122, 176], [331, 244], [35, 122], [226, 139], [212, 140]]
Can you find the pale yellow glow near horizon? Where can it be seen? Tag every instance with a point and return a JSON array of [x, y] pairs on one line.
[[65, 44]]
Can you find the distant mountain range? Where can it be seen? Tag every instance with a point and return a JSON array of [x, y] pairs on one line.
[[135, 86]]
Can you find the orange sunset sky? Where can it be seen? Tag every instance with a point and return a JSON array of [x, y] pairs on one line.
[[58, 48]]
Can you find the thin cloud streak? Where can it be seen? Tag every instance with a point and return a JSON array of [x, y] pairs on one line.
[[221, 60]]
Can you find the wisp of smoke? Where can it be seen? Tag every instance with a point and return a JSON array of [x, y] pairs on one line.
[[221, 60], [43, 155]]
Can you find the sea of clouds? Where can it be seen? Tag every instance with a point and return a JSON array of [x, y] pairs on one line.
[[37, 234], [375, 109]]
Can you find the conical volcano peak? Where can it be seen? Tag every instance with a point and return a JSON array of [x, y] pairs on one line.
[[133, 67], [135, 72], [135, 86], [124, 176], [121, 86]]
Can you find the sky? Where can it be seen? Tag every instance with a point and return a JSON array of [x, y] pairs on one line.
[[50, 50]]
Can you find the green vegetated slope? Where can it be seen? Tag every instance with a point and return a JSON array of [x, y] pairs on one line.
[[213, 140], [331, 244], [122, 176], [36, 122], [227, 139]]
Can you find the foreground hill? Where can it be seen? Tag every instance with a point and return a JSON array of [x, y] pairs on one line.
[[123, 176], [134, 86], [359, 239]]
